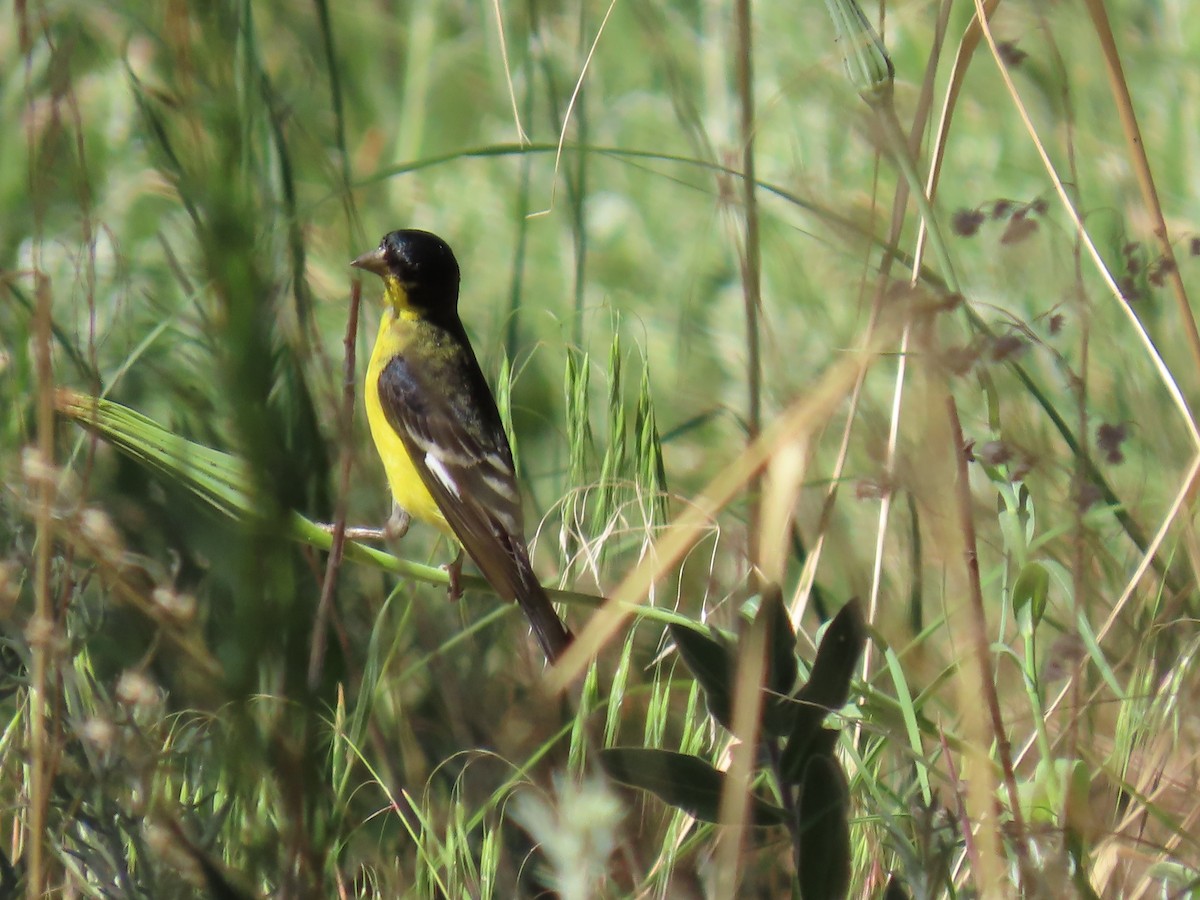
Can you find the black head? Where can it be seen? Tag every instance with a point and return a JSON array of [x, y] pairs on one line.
[[420, 264]]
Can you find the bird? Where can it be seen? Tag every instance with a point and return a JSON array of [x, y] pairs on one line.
[[435, 424]]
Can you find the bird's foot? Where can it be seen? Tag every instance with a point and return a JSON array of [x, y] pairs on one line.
[[454, 570], [397, 523], [395, 528]]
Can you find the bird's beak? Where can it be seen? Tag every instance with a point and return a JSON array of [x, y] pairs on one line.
[[372, 261]]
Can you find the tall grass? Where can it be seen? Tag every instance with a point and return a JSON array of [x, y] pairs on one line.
[[715, 384]]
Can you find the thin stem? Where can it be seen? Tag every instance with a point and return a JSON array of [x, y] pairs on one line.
[[751, 254], [516, 283], [979, 633], [899, 207], [1102, 269], [316, 657], [1141, 167], [734, 811], [41, 640], [42, 628]]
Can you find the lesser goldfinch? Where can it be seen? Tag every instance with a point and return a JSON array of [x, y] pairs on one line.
[[436, 427]]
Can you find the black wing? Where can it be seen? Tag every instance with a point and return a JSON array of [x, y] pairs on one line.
[[447, 419]]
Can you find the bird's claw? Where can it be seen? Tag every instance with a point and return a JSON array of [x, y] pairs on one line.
[[454, 571], [397, 523]]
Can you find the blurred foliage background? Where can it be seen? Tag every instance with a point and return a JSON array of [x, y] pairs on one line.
[[184, 185]]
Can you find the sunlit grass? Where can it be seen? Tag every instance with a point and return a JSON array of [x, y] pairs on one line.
[[191, 183]]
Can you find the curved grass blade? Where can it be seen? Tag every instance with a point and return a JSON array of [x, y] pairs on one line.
[[680, 780], [222, 481]]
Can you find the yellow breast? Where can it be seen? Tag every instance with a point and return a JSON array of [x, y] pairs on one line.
[[407, 487]]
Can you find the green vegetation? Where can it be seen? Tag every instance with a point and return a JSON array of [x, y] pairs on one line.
[[735, 401]]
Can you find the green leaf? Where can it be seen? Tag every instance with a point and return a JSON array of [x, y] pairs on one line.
[[503, 393], [780, 715], [806, 724], [652, 471], [837, 658], [712, 665], [781, 661], [827, 689], [908, 712], [1077, 785], [823, 833], [1029, 592], [219, 479], [680, 780], [805, 739], [579, 432]]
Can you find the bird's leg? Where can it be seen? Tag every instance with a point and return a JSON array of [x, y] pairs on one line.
[[454, 570]]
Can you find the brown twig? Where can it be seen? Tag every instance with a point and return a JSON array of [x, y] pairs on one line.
[[959, 793], [1141, 167], [979, 633], [316, 657], [42, 628]]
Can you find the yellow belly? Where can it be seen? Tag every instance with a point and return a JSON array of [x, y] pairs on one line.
[[407, 488]]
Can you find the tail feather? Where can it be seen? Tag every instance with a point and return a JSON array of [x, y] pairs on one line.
[[552, 634], [508, 570]]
